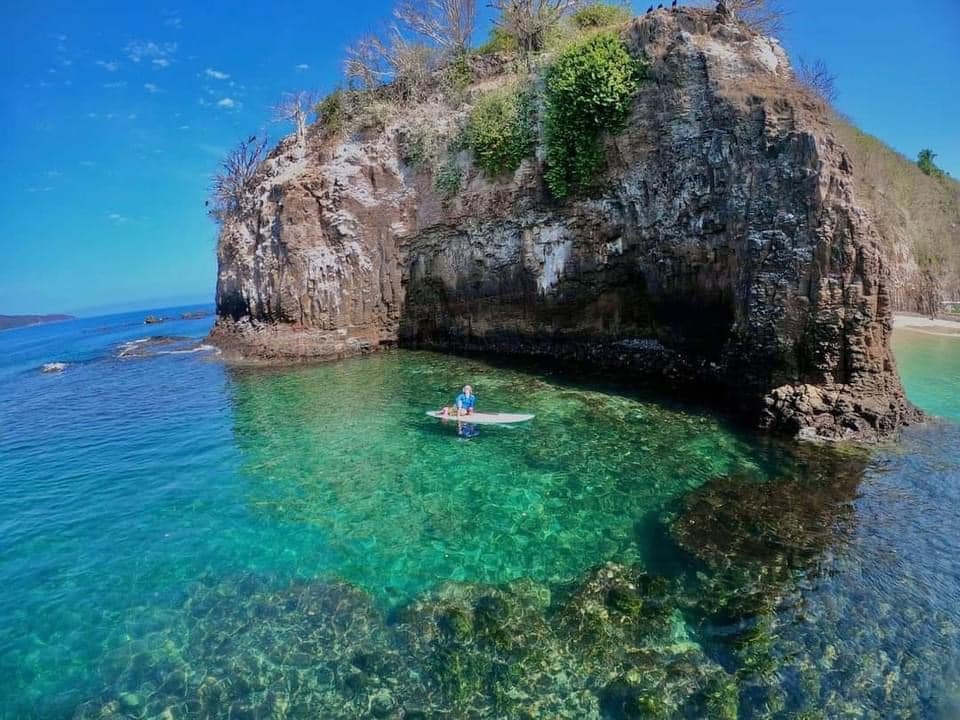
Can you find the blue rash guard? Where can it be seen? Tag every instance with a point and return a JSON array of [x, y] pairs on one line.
[[466, 403]]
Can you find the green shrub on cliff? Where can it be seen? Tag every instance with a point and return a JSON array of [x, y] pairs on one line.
[[927, 165], [448, 179], [330, 111], [601, 15], [500, 132], [589, 90], [500, 41]]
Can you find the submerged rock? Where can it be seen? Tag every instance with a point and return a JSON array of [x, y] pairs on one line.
[[54, 367], [620, 644], [738, 520]]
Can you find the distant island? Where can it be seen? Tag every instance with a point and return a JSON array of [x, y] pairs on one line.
[[8, 322]]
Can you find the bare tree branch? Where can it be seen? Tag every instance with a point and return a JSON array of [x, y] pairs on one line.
[[233, 179], [817, 78], [405, 65], [762, 16], [448, 24], [529, 21], [295, 107]]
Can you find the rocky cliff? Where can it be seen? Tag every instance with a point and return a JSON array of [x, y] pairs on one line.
[[721, 251], [917, 216]]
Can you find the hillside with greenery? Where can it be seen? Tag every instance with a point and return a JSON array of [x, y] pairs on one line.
[[917, 214]]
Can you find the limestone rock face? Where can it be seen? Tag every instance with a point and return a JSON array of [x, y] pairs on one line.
[[722, 250]]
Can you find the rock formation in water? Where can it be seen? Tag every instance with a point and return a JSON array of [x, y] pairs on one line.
[[721, 250]]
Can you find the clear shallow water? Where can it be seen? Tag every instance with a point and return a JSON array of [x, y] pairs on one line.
[[930, 366], [175, 537]]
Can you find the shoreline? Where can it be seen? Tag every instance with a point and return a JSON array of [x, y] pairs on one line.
[[927, 326]]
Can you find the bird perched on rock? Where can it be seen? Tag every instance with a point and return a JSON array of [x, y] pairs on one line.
[[722, 8], [649, 9], [660, 6], [674, 4]]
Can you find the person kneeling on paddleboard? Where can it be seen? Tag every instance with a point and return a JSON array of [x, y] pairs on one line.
[[464, 404]]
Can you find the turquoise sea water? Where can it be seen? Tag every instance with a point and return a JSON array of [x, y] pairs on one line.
[[180, 539]]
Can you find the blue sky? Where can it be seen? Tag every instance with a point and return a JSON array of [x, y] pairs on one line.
[[115, 115]]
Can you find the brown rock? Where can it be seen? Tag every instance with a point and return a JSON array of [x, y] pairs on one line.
[[722, 250]]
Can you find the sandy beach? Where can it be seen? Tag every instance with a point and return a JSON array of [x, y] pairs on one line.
[[928, 326]]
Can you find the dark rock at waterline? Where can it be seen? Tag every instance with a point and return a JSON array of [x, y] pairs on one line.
[[153, 320], [194, 315], [53, 367]]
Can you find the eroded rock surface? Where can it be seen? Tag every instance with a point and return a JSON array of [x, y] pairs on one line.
[[721, 251]]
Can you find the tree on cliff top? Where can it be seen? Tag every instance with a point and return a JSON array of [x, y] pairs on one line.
[[295, 107], [817, 78], [529, 21], [376, 60], [448, 24], [234, 177], [762, 16], [927, 165]]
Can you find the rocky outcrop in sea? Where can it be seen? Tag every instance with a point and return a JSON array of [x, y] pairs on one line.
[[721, 252]]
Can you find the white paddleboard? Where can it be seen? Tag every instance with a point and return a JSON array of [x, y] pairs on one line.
[[483, 418]]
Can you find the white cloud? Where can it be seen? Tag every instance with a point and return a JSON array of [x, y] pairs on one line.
[[139, 50], [174, 22], [116, 218], [132, 116], [302, 66], [216, 74], [39, 189], [118, 84], [109, 65], [87, 163], [161, 62], [151, 88], [227, 103], [53, 173], [184, 127], [92, 115]]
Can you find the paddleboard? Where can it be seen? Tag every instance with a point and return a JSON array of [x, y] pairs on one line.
[[483, 418]]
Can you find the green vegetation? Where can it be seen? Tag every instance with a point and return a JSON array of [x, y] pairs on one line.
[[910, 208], [457, 77], [448, 179], [330, 111], [500, 133], [601, 15], [499, 41], [590, 88], [926, 164]]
